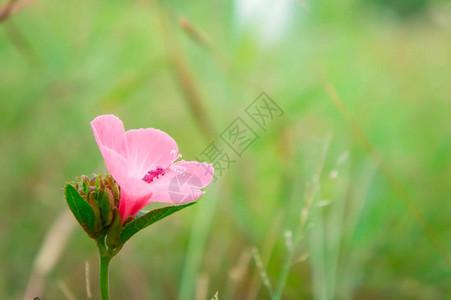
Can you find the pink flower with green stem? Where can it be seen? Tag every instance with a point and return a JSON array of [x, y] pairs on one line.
[[144, 168], [143, 163]]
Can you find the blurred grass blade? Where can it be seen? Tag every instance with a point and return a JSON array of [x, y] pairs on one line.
[[202, 225], [13, 6], [193, 32], [392, 179], [304, 217], [6, 10], [148, 219], [263, 274], [50, 251], [185, 78]]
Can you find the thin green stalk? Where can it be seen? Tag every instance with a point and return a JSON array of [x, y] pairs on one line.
[[284, 274], [300, 231], [104, 268], [105, 258]]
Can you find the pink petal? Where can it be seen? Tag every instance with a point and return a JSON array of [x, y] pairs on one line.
[[180, 187], [135, 195], [117, 166], [131, 203], [109, 132], [149, 148], [110, 137]]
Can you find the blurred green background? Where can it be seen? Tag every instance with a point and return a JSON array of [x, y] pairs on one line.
[[190, 68]]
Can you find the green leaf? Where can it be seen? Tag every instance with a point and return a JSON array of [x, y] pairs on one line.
[[149, 218], [141, 213], [81, 209]]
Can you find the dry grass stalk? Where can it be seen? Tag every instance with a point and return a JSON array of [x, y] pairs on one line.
[[185, 78], [48, 255], [65, 289], [237, 274], [12, 7], [87, 282], [202, 283], [264, 276]]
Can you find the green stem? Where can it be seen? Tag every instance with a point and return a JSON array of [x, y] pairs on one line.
[[104, 268], [284, 274], [105, 258]]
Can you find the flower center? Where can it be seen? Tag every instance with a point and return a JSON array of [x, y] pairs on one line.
[[152, 174]]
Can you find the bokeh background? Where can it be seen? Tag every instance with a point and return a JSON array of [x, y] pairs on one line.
[[373, 180]]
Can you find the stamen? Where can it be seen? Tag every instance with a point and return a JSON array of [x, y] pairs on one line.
[[152, 174], [177, 168], [174, 155]]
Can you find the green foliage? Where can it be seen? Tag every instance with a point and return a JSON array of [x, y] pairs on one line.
[[141, 222], [405, 7], [81, 209]]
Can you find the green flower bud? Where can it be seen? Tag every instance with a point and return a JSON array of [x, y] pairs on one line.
[[113, 237], [93, 202]]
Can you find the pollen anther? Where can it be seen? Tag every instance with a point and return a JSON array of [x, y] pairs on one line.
[[153, 174]]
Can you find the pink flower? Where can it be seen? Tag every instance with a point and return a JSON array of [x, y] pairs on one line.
[[142, 161]]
